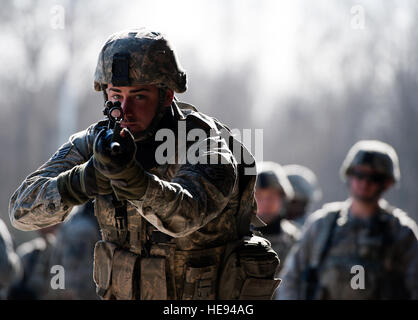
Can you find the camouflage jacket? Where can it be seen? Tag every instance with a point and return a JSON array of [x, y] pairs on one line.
[[385, 246], [74, 251], [198, 205], [10, 267]]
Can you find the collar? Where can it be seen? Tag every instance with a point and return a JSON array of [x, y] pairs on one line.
[[181, 110], [379, 216], [178, 113]]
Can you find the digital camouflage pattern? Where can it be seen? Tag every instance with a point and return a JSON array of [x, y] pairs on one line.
[[196, 205], [74, 251], [385, 245], [139, 57], [10, 266]]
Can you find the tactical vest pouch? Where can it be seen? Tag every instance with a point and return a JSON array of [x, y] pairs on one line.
[[115, 272], [124, 275], [153, 279], [200, 283], [249, 271], [102, 271], [197, 272]]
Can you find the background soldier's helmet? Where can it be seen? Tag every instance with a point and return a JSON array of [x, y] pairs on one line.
[[304, 183], [272, 175], [376, 154], [138, 57]]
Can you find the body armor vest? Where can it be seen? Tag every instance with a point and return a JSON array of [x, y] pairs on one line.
[[358, 262], [136, 261]]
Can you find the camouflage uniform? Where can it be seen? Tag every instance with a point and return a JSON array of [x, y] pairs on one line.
[[338, 248], [74, 251], [10, 267], [281, 233], [195, 205], [36, 281], [170, 242], [386, 245]]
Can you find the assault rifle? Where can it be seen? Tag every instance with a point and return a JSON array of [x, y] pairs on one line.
[[113, 111]]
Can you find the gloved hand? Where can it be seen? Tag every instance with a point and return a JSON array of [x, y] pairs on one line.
[[128, 179], [107, 162], [82, 182]]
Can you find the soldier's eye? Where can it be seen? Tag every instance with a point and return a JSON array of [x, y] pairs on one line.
[[139, 97], [116, 97]]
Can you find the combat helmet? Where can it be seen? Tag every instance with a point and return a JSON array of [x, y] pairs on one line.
[[138, 57], [374, 153], [272, 175], [304, 183]]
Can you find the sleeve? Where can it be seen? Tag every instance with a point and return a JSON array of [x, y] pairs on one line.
[[297, 262], [197, 193], [10, 266], [37, 204], [408, 247]]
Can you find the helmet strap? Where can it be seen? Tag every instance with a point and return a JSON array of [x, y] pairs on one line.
[[105, 96]]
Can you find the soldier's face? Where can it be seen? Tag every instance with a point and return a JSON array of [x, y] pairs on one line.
[[139, 104], [367, 184], [269, 203]]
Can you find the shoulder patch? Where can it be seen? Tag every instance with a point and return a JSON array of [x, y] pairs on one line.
[[62, 152]]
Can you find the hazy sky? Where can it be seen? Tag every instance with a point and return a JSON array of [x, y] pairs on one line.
[[293, 46]]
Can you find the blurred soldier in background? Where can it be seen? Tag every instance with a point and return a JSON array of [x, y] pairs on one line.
[[10, 266], [306, 191], [74, 251], [273, 192], [35, 284], [362, 248]]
